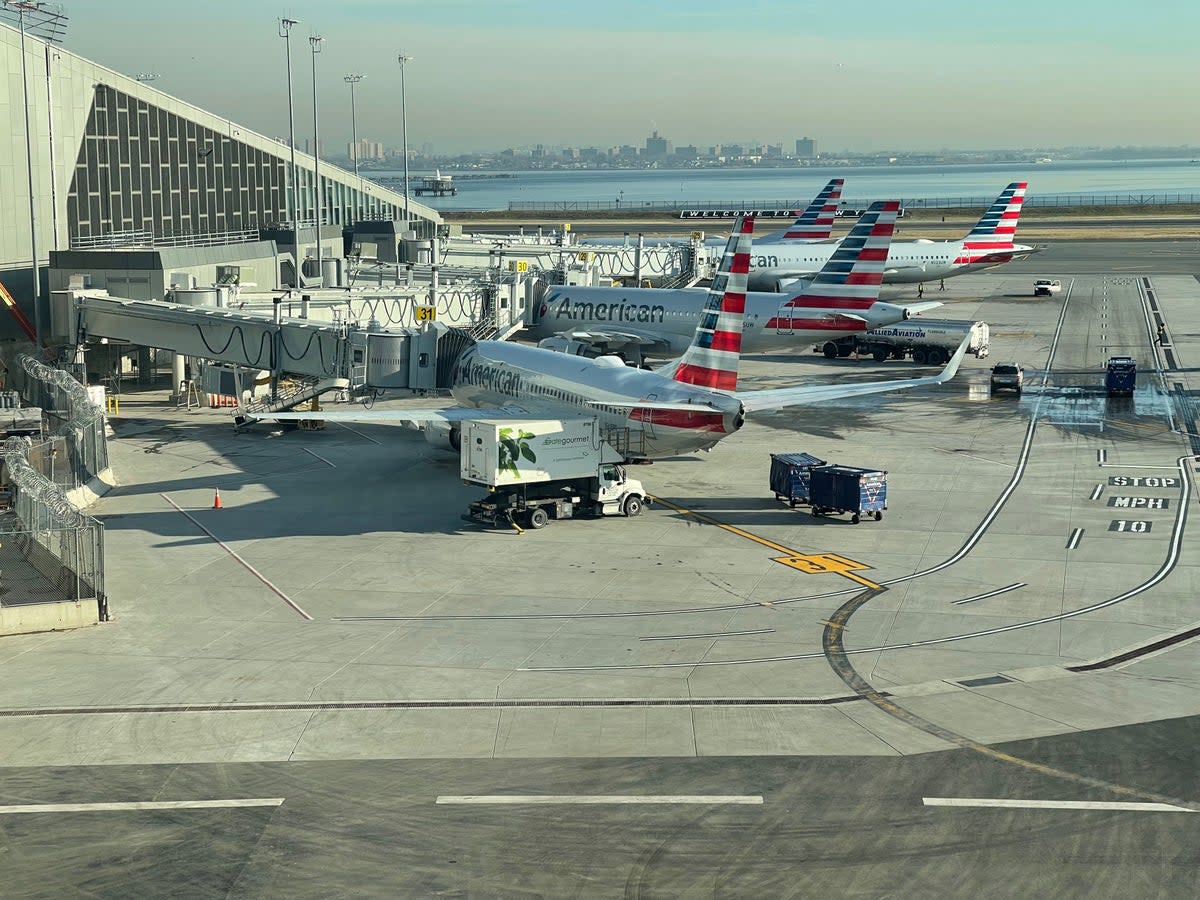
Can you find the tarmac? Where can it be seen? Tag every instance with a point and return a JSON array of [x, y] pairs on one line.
[[1019, 625]]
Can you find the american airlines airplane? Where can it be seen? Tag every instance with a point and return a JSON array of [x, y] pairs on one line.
[[642, 323], [691, 407], [989, 244]]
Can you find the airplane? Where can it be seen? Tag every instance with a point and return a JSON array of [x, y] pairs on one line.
[[643, 323], [644, 415], [989, 244]]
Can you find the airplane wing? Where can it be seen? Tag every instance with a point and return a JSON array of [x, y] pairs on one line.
[[781, 398], [602, 335], [923, 306], [362, 414]]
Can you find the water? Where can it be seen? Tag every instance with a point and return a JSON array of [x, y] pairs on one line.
[[792, 186]]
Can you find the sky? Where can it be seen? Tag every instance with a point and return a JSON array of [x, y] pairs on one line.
[[874, 75]]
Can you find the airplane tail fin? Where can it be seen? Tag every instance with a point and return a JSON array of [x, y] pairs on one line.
[[816, 222], [999, 224], [853, 274], [712, 359]]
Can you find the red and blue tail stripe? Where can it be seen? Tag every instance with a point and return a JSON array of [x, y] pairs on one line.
[[997, 228], [851, 278], [712, 359], [816, 222]]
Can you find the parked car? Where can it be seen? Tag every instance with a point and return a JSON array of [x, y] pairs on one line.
[[1007, 377], [1046, 287]]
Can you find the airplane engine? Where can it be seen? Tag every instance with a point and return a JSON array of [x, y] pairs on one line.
[[443, 436]]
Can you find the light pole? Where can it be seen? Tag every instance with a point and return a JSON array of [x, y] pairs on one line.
[[318, 202], [49, 24], [352, 80], [403, 60], [285, 32]]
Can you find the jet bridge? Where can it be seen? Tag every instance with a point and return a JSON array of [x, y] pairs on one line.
[[414, 359]]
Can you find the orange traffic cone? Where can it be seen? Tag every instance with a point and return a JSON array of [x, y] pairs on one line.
[[217, 498]]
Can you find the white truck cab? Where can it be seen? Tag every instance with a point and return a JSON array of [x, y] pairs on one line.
[[1045, 287]]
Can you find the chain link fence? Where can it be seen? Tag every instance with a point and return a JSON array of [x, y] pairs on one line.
[[50, 551]]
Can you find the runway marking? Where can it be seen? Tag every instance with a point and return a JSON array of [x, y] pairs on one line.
[[1096, 492], [359, 433], [321, 458], [1127, 806], [139, 806], [1101, 457], [600, 799], [249, 568], [710, 634], [1075, 538], [1104, 465], [809, 563], [1004, 590]]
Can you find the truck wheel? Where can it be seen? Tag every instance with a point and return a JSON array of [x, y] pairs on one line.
[[843, 352], [880, 355], [897, 354], [633, 506], [920, 357], [830, 350], [538, 518]]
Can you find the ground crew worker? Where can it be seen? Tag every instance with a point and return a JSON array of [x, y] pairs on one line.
[[1162, 334], [921, 290]]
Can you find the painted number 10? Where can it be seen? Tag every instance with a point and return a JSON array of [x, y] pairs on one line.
[[1134, 527]]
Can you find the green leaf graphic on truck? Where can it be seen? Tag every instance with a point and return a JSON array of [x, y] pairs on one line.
[[512, 449]]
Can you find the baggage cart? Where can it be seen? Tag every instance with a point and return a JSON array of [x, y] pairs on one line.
[[845, 489], [790, 473]]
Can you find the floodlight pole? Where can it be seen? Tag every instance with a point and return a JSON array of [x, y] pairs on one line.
[[285, 32], [402, 59], [319, 200], [37, 274]]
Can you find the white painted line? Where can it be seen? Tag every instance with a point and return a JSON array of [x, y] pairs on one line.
[[359, 433], [1119, 466], [139, 806], [600, 799], [1054, 804], [1076, 536], [321, 458], [1101, 456], [710, 634], [1096, 492], [249, 568], [1003, 590]]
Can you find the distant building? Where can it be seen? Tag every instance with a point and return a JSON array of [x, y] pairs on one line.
[[571, 153], [539, 152], [806, 148], [657, 146], [688, 151], [630, 150]]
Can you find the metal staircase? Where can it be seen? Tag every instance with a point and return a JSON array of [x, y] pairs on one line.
[[297, 392]]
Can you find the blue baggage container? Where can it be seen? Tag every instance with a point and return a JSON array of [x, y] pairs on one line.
[[844, 489], [1120, 376], [790, 476]]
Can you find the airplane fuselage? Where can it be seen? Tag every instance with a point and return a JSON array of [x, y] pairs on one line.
[[670, 316], [908, 262], [556, 385]]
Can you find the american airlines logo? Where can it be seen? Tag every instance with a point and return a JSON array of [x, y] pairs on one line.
[[502, 381], [609, 312]]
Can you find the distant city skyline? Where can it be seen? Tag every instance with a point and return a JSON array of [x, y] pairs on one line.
[[920, 76]]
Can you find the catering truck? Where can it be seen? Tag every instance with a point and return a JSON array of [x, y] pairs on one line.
[[541, 469], [927, 341]]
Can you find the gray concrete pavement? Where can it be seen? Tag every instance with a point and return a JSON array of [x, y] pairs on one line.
[[481, 651]]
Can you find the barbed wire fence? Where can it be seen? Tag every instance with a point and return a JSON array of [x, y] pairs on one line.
[[50, 551]]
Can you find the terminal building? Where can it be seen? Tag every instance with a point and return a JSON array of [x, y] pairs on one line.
[[118, 165]]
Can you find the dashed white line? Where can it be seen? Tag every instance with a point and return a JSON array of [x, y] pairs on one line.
[[984, 802], [1076, 536], [601, 799], [321, 458], [138, 806], [245, 565], [1096, 491]]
